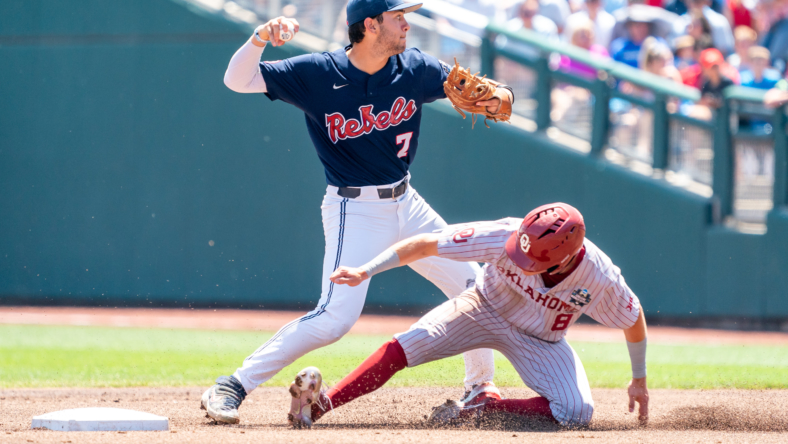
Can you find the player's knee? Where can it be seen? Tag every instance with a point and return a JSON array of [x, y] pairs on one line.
[[336, 332], [587, 413], [577, 413], [584, 411]]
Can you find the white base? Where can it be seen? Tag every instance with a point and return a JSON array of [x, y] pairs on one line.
[[100, 419]]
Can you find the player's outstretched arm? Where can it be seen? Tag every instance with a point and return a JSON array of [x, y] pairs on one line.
[[401, 253], [638, 389]]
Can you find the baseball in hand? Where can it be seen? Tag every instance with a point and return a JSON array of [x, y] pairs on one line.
[[286, 35]]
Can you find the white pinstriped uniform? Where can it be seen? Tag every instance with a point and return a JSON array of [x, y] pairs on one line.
[[517, 315]]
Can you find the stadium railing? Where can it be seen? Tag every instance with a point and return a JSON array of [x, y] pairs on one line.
[[736, 156]]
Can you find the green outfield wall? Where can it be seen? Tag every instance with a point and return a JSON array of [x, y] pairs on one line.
[[130, 175]]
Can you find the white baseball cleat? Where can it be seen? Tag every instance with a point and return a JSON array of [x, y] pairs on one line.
[[481, 393], [446, 413], [305, 390], [467, 409]]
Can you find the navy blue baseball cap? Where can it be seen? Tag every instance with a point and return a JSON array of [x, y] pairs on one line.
[[358, 10]]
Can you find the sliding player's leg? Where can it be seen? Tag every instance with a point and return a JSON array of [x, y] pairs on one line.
[[456, 326]]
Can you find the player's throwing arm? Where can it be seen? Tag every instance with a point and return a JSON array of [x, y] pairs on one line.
[[277, 31]]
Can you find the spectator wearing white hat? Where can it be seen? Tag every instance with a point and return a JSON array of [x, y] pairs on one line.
[[627, 49]]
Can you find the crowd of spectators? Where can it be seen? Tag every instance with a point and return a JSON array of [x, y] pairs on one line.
[[705, 44]]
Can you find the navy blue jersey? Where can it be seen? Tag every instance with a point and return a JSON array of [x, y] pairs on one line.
[[365, 127]]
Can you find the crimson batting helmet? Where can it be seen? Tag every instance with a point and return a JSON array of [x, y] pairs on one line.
[[549, 236]]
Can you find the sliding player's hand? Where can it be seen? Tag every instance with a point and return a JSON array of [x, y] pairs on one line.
[[348, 276], [638, 392]]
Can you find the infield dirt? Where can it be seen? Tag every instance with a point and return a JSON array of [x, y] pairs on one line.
[[397, 415]]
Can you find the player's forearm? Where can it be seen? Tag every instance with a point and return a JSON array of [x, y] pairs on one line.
[[416, 248], [403, 253], [637, 332], [636, 345], [243, 73]]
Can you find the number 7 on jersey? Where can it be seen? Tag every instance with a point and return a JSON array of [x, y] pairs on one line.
[[405, 140]]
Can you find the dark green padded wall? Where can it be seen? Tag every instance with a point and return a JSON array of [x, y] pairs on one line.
[[51, 20], [773, 265]]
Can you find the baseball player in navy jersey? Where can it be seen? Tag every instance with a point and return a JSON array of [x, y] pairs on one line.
[[540, 275], [362, 106]]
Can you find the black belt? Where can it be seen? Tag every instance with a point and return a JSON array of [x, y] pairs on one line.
[[383, 193]]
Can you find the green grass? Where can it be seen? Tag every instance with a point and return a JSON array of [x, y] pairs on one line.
[[46, 356]]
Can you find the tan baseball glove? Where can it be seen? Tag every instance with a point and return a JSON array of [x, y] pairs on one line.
[[465, 89]]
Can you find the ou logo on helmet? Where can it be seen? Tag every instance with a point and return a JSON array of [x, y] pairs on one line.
[[525, 243]]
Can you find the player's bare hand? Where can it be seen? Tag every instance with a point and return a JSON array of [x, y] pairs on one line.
[[638, 392], [270, 30], [348, 276], [493, 104]]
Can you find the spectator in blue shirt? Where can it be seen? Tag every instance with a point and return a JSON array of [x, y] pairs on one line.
[[627, 49], [760, 75]]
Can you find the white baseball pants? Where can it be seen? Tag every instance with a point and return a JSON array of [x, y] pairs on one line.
[[551, 369], [357, 230]]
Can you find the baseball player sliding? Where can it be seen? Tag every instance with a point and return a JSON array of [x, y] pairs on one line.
[[363, 111], [540, 275]]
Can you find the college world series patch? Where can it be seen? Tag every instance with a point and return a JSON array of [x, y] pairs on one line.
[[581, 297]]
